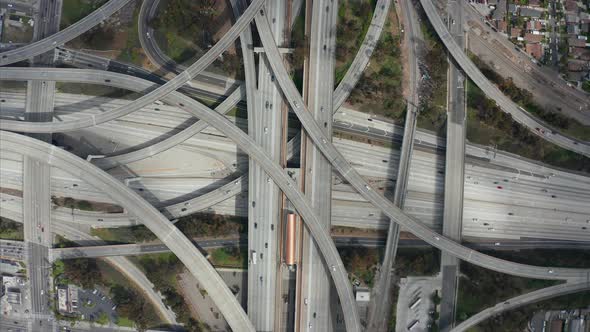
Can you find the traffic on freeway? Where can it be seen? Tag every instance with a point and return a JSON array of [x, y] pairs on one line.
[[304, 196]]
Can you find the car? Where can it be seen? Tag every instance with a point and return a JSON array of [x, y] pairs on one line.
[[500, 187], [497, 243], [148, 35], [305, 301], [95, 291]]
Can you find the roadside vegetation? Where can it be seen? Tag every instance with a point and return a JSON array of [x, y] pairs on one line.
[[433, 87], [354, 19], [162, 270], [412, 262], [91, 273], [361, 263], [75, 10], [379, 90], [197, 225], [547, 257], [229, 257], [499, 287], [496, 286], [525, 99], [300, 46], [186, 29], [488, 125], [518, 319], [84, 205], [11, 230], [95, 90]]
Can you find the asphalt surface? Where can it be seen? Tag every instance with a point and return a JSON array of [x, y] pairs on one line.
[[176, 241], [352, 176], [264, 215], [528, 196], [454, 170], [223, 44], [314, 278], [381, 300], [347, 172]]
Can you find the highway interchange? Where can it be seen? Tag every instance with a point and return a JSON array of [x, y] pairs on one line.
[[317, 136]]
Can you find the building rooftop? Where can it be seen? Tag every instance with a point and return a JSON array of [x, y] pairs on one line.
[[535, 50], [529, 12]]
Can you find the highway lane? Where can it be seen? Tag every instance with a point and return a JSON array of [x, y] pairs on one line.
[[314, 278], [47, 21], [153, 149], [518, 197], [62, 37], [349, 174], [276, 173], [521, 300], [486, 261], [381, 298], [264, 215], [37, 235], [340, 241], [158, 224], [518, 114], [159, 92], [454, 169], [80, 59]]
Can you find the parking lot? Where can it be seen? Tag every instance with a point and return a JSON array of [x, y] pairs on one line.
[[414, 303], [93, 303]]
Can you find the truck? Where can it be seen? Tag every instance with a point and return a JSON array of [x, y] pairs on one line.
[[254, 257]]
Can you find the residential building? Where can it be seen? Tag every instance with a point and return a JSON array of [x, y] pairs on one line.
[[535, 50]]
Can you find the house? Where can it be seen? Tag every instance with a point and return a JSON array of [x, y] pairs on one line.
[[512, 8], [572, 29], [502, 26], [577, 65], [575, 42], [529, 12], [535, 3], [535, 50], [580, 53], [532, 38], [572, 19], [533, 26], [515, 32], [571, 6]]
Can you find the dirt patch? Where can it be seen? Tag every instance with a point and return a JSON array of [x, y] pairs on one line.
[[11, 192], [357, 232], [84, 205]]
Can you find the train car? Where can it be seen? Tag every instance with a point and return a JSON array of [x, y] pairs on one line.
[[290, 241]]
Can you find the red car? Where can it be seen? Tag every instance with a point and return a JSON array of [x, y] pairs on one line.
[[500, 187]]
